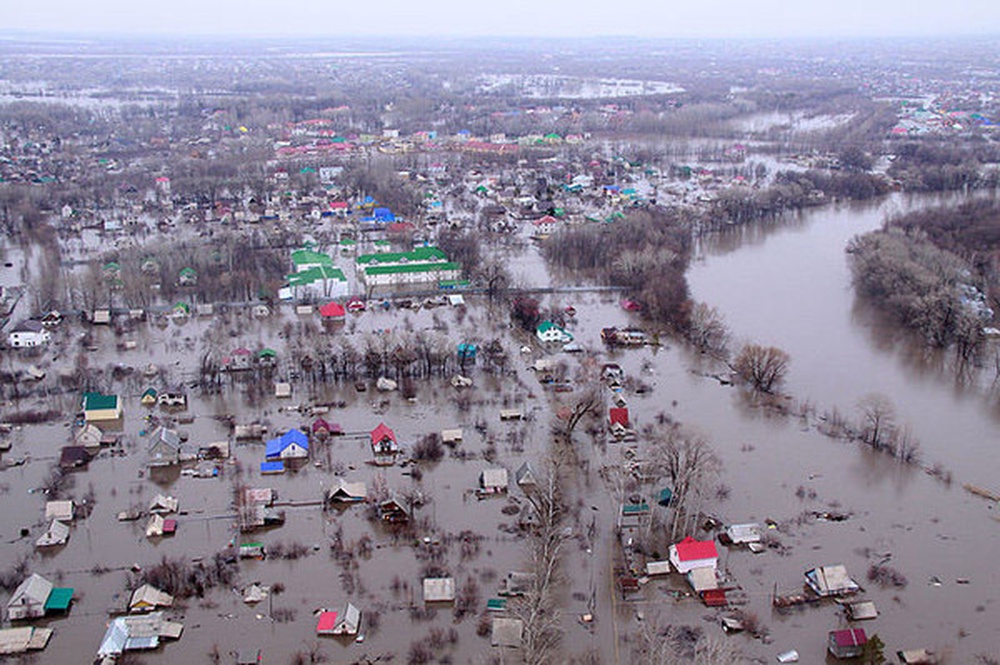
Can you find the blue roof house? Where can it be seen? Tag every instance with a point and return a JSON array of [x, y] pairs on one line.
[[293, 444]]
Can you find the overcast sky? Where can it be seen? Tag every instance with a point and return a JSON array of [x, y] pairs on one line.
[[558, 18]]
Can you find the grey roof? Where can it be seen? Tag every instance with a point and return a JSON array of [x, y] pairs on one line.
[[348, 621], [56, 534], [137, 632], [493, 478], [34, 589]]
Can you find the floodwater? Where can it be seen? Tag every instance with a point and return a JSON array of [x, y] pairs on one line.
[[786, 285]]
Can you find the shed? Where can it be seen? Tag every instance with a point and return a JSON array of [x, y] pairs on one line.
[[282, 389], [703, 579], [744, 533], [26, 638], [59, 510], [439, 590], [847, 643], [917, 657], [451, 436], [269, 468], [510, 414], [861, 611], [657, 567], [507, 632]]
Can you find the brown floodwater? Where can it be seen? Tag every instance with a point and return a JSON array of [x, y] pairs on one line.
[[786, 285]]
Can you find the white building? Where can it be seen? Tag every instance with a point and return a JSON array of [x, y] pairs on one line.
[[28, 334]]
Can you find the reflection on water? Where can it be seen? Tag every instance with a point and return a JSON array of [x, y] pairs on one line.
[[788, 284]]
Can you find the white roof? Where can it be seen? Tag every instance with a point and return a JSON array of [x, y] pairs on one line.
[[703, 578], [451, 435], [744, 533], [494, 477], [35, 587], [56, 534], [439, 589], [59, 510], [657, 567]]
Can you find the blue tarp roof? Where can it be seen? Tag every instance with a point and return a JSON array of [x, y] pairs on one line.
[[384, 215], [272, 467]]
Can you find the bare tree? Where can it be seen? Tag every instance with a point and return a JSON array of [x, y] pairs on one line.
[[707, 330], [693, 469], [878, 420], [586, 403], [538, 608], [763, 367]]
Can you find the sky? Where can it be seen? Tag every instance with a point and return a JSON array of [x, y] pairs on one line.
[[534, 18]]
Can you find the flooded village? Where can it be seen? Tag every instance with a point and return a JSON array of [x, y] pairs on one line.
[[480, 353]]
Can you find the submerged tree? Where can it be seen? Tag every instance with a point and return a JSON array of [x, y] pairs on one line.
[[762, 367]]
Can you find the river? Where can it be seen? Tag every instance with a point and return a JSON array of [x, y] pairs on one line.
[[789, 285]]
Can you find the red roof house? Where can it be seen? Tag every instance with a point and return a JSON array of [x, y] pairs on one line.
[[384, 444], [847, 643], [327, 620], [618, 415], [690, 554], [332, 310]]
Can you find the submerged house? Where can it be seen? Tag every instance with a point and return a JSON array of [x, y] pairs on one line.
[[394, 511], [35, 597], [493, 481], [439, 590], [345, 622], [56, 534], [165, 448], [98, 407], [548, 332], [690, 554], [384, 445], [345, 492], [147, 598], [847, 643], [831, 581], [140, 632], [293, 444]]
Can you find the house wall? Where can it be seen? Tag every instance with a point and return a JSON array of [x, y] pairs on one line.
[[102, 414], [27, 339]]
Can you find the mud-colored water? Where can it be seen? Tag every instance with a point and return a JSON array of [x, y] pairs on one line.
[[929, 530]]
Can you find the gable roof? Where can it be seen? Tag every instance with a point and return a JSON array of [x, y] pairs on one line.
[[849, 637], [291, 437], [690, 549], [618, 416], [383, 432]]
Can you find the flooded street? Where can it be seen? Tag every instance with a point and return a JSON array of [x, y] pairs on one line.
[[784, 285]]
